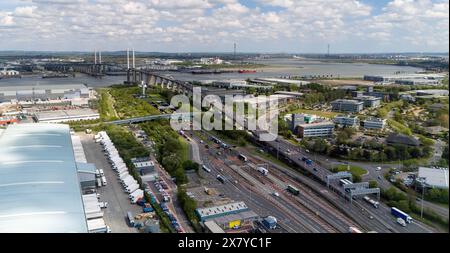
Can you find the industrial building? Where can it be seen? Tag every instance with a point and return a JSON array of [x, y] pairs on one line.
[[280, 99], [229, 216], [239, 84], [373, 123], [44, 92], [432, 92], [9, 73], [40, 191], [59, 116], [290, 93], [143, 165], [282, 81], [346, 120], [408, 79], [433, 177], [347, 105], [319, 129]]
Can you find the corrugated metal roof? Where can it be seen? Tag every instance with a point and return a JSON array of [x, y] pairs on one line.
[[434, 177], [39, 188]]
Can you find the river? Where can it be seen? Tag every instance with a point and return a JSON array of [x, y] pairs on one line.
[[272, 68]]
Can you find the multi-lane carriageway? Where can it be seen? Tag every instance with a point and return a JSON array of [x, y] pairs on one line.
[[382, 220]]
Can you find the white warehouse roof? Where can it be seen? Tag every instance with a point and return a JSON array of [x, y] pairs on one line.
[[434, 177], [39, 187]]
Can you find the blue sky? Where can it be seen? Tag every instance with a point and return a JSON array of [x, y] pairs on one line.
[[299, 26]]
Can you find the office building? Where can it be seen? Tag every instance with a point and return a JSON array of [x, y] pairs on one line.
[[319, 129], [369, 101], [373, 123], [346, 120], [347, 105]]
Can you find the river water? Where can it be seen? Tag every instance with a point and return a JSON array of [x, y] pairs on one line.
[[273, 68]]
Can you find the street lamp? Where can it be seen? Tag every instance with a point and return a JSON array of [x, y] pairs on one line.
[[422, 180]]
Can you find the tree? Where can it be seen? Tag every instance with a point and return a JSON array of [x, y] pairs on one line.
[[356, 178], [320, 146], [190, 165], [373, 184]]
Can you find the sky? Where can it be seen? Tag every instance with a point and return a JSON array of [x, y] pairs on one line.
[[271, 26]]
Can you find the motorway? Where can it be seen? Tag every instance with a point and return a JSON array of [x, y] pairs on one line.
[[382, 220]]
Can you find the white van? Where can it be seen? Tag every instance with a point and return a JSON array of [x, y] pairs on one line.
[[101, 172], [104, 180], [99, 182]]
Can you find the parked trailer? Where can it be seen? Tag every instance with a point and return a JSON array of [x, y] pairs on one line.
[[132, 188], [136, 194], [371, 201], [263, 170], [400, 214]]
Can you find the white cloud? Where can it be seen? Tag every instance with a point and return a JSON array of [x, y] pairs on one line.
[[216, 24]]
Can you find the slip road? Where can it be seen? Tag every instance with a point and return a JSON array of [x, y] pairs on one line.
[[225, 243]]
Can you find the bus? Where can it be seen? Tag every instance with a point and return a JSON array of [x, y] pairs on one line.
[[293, 190], [206, 169], [243, 157]]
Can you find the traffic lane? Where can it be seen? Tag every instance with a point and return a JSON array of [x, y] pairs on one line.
[[118, 202], [284, 146], [441, 210]]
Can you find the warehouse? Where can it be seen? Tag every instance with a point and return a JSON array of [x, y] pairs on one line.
[[44, 92], [38, 176], [219, 211], [66, 115], [433, 177]]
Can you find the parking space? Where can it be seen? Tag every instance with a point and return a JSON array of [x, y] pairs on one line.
[[113, 193]]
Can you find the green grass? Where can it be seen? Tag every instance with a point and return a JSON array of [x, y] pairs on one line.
[[316, 112], [127, 106], [355, 170], [399, 127], [185, 148], [106, 106]]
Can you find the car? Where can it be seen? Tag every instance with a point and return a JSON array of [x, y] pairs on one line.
[[379, 177], [276, 194], [378, 168], [401, 222], [314, 169], [101, 172], [108, 229], [201, 141]]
